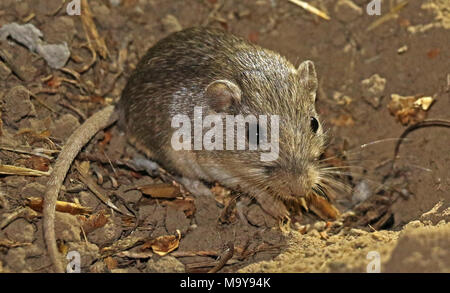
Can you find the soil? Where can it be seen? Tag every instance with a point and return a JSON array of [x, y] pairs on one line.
[[401, 213]]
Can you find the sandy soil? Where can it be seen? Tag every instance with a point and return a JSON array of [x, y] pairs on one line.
[[360, 66]]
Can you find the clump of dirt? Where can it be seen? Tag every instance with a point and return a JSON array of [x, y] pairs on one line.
[[420, 247], [120, 219]]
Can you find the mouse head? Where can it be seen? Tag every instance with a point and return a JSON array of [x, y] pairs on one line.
[[274, 89]]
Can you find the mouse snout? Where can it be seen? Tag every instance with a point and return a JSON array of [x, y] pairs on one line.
[[300, 183]]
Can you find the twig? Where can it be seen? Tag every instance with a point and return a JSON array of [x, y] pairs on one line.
[[424, 123]]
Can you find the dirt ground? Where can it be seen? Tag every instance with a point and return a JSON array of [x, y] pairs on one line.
[[364, 63]]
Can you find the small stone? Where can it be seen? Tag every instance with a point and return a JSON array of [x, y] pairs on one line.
[[373, 89], [15, 260], [20, 231], [171, 24], [166, 264], [107, 233], [33, 189], [347, 10], [17, 105]]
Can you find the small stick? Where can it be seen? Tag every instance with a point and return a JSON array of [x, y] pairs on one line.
[[424, 123]]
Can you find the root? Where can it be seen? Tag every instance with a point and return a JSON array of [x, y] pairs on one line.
[[74, 144]]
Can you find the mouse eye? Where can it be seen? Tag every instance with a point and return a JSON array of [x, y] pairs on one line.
[[254, 139], [314, 124]]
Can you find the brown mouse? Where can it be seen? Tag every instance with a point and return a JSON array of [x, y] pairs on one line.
[[224, 75]]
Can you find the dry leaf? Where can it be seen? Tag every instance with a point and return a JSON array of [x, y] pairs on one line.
[[111, 263], [94, 221], [38, 163], [424, 103], [36, 203], [160, 190], [162, 245]]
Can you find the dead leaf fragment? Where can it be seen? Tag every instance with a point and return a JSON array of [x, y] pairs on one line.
[[160, 190], [322, 207], [162, 245], [424, 103], [94, 221]]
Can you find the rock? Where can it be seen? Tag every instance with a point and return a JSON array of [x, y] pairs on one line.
[[33, 189], [373, 89], [166, 264], [17, 105], [15, 260], [64, 126], [347, 10], [107, 233], [88, 199], [67, 227], [28, 35], [14, 181], [171, 24], [60, 29], [20, 231]]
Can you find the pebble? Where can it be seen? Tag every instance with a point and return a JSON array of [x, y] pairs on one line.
[[171, 24]]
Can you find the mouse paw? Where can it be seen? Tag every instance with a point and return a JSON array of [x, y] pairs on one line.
[[274, 207]]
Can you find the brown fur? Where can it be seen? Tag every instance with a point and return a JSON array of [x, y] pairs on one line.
[[172, 78]]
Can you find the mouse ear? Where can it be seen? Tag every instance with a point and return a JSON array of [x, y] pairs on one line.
[[221, 94], [308, 77]]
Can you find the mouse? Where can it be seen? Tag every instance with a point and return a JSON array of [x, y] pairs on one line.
[[198, 73]]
